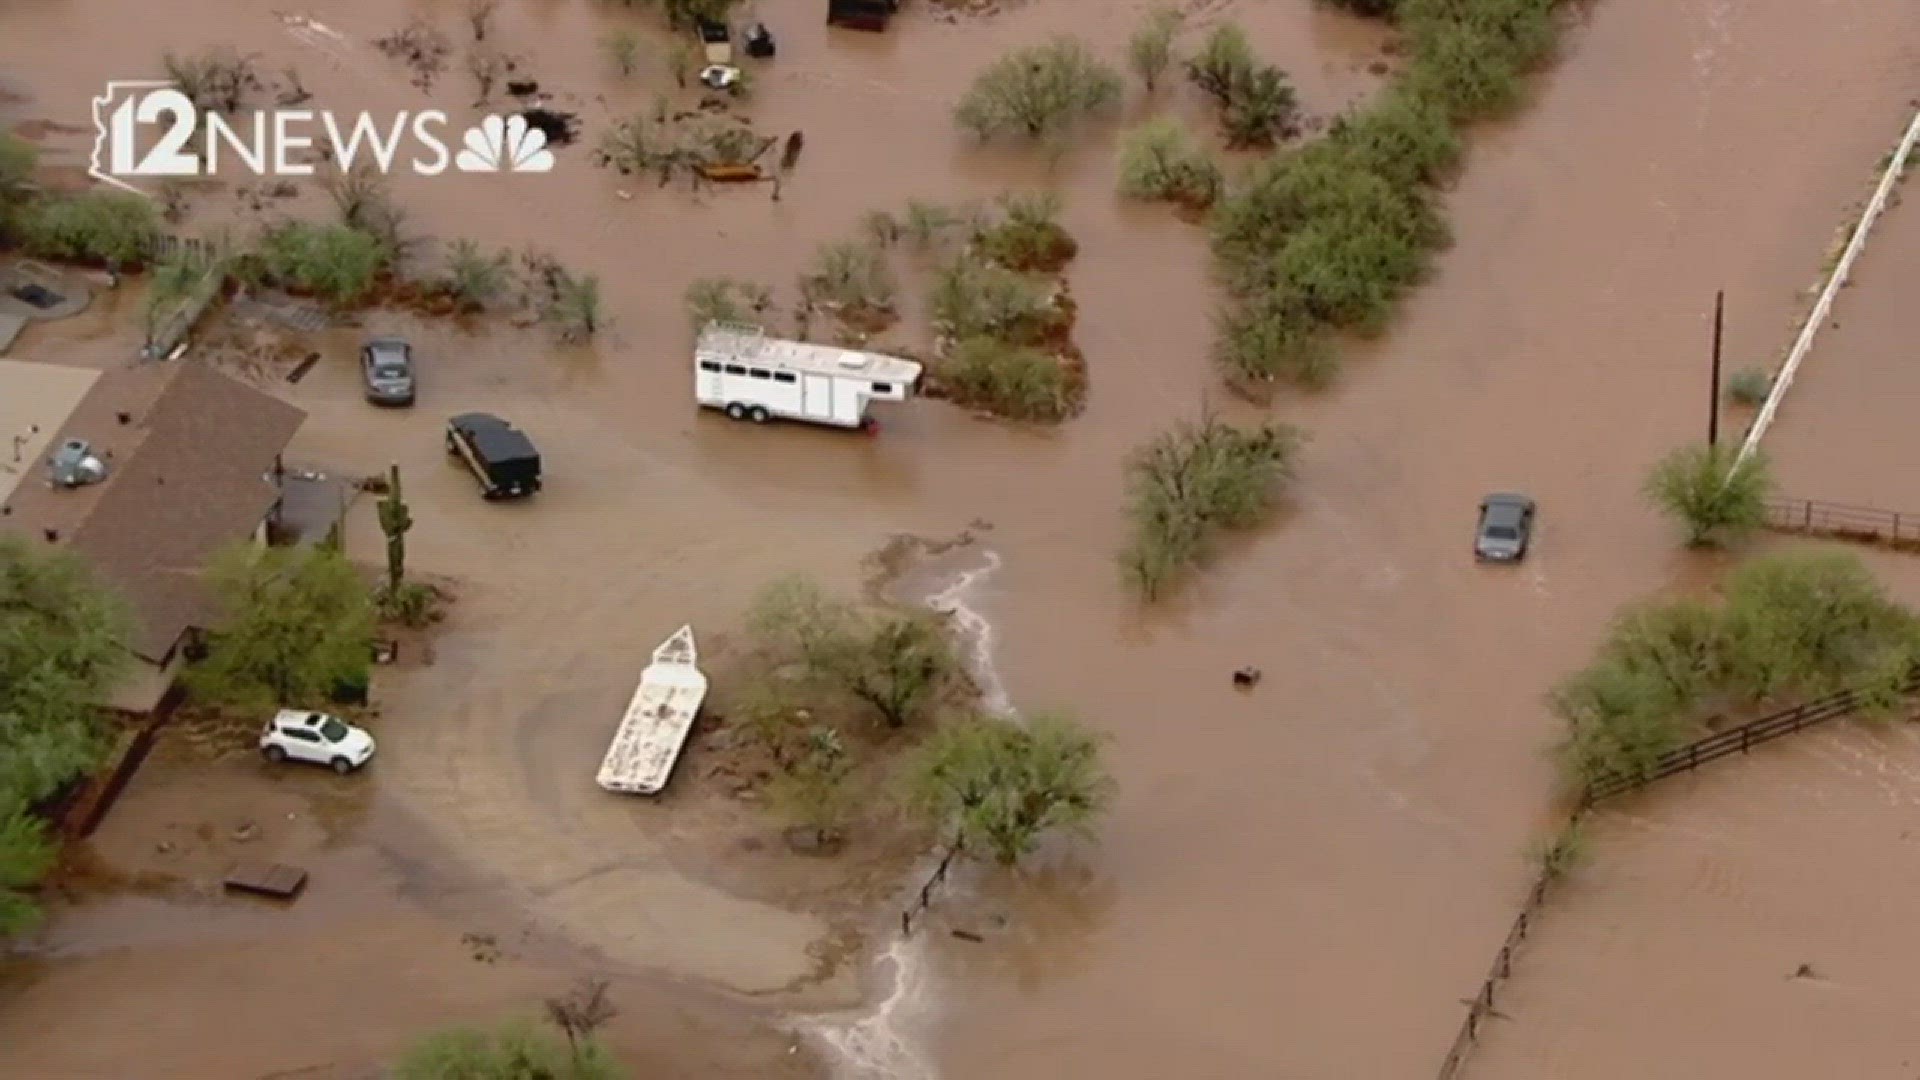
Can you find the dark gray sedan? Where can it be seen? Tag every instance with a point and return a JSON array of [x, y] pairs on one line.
[[1506, 525], [386, 367]]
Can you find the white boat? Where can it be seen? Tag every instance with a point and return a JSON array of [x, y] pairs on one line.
[[658, 719]]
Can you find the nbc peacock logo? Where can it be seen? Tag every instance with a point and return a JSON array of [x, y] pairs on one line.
[[504, 145]]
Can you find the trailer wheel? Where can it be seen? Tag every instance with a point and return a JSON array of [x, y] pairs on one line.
[[736, 411], [759, 414]]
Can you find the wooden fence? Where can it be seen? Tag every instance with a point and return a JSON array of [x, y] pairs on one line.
[[1735, 740], [920, 903], [1841, 522]]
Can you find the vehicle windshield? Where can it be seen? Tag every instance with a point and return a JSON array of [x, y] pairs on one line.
[[390, 370], [333, 730], [1502, 532]]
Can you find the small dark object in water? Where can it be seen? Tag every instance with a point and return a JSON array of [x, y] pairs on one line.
[[760, 44], [968, 935], [1246, 678], [795, 142], [38, 295], [300, 370], [522, 87], [559, 127]]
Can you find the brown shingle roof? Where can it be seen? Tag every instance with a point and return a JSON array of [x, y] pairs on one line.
[[188, 476]]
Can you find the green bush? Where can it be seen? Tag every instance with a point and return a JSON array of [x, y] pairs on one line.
[[1271, 336], [974, 298], [336, 262], [1014, 381], [1472, 57], [726, 300], [1716, 500], [1257, 104], [851, 277], [1150, 49], [1792, 627], [95, 226], [1160, 160], [474, 278], [1749, 387], [1038, 92], [1028, 235], [17, 159], [1405, 138], [1186, 485]]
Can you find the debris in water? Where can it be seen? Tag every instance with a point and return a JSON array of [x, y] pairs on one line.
[[968, 935], [560, 128], [523, 87], [1246, 678]]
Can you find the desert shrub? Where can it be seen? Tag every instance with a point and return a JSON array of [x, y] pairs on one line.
[[1749, 387], [332, 261], [1405, 138], [997, 786], [898, 663], [726, 300], [17, 159], [362, 198], [1015, 381], [1338, 240], [973, 298], [1257, 104], [1471, 57], [881, 227], [511, 1052], [218, 79], [475, 278], [111, 227], [573, 308], [1028, 234], [1160, 160], [925, 224], [623, 49], [1792, 627], [1272, 336], [1038, 92], [814, 786], [1714, 499], [1188, 484], [850, 277], [1150, 49]]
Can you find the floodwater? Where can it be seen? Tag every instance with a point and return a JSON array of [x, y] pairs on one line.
[[1301, 881]]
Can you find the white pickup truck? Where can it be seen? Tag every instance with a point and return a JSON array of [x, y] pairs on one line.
[[658, 720]]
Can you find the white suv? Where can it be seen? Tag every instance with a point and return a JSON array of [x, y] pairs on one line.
[[316, 738]]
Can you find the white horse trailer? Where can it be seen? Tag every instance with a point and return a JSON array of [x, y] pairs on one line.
[[750, 376]]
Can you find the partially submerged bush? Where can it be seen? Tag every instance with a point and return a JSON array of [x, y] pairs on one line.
[[335, 262], [1792, 627], [851, 279], [1028, 235], [1038, 92], [974, 298], [1257, 105], [997, 786], [110, 227], [1749, 387], [474, 278], [1160, 160], [1188, 484], [1472, 58], [726, 300], [1271, 336], [925, 224], [1716, 500], [1018, 382], [898, 663], [1150, 49], [1405, 138], [218, 79]]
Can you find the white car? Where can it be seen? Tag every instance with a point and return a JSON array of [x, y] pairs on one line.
[[297, 735]]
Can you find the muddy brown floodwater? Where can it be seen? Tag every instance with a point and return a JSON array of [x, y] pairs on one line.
[[1302, 881]]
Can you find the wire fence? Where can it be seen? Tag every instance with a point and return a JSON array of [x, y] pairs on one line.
[[1869, 524]]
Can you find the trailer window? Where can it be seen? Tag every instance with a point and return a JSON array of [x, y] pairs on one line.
[[736, 369], [761, 373], [709, 365], [785, 377], [883, 388]]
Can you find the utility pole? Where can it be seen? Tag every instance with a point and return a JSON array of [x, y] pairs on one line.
[[1713, 401]]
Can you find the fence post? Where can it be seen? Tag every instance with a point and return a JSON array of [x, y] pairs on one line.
[[1746, 738], [1806, 520]]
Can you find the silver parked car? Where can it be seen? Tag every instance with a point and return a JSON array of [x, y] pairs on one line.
[[386, 368], [1506, 526]]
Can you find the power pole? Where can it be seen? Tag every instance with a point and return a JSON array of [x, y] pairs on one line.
[[1713, 400]]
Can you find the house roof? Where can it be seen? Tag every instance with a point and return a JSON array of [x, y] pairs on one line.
[[189, 451]]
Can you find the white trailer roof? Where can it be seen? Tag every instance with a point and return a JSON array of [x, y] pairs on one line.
[[750, 344], [657, 721]]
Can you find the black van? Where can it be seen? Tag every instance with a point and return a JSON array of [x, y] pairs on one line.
[[861, 14], [500, 455]]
